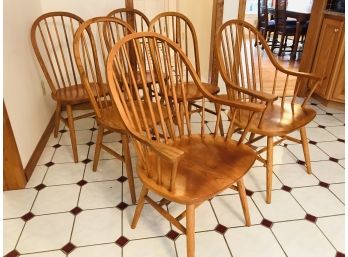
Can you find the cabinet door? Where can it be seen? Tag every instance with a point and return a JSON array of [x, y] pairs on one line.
[[338, 93], [326, 52]]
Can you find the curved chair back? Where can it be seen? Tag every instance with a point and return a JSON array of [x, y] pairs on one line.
[[138, 20], [245, 67], [52, 37], [179, 29], [92, 42]]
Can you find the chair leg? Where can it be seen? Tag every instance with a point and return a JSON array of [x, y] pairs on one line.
[[139, 207], [305, 149], [252, 136], [128, 163], [221, 126], [269, 169], [244, 202], [190, 230], [98, 147], [72, 132], [57, 119]]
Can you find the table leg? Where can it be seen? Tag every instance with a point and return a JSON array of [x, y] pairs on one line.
[[296, 40]]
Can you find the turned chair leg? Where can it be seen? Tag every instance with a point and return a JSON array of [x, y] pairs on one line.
[[190, 230], [269, 169], [139, 207], [57, 119], [244, 202], [98, 147], [72, 132], [305, 149], [128, 163]]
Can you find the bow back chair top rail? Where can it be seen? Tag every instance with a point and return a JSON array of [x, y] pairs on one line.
[[52, 40], [133, 17], [180, 162], [180, 29], [92, 43], [243, 68]]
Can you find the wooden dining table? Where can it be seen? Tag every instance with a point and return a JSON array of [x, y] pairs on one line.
[[302, 15]]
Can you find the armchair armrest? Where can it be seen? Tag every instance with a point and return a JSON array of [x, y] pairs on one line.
[[168, 152], [260, 95], [301, 74], [254, 107]]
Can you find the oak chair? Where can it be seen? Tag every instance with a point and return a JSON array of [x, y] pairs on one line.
[[177, 161], [93, 40], [138, 20], [242, 67], [180, 29], [52, 37]]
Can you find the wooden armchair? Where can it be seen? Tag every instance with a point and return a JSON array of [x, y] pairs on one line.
[[174, 161], [242, 67], [92, 42], [52, 38]]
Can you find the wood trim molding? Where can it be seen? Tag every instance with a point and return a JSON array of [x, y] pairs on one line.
[[241, 9], [14, 177], [39, 148], [129, 4], [216, 22], [312, 39]]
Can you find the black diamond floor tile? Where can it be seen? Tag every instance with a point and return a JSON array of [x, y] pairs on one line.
[[68, 248], [173, 235], [122, 241]]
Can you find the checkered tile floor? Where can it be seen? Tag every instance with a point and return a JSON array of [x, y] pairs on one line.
[[68, 210]]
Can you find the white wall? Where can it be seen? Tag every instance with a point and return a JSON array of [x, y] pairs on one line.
[[200, 16], [84, 8], [230, 10], [29, 110], [153, 7]]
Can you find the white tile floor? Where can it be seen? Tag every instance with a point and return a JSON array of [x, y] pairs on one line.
[[69, 210]]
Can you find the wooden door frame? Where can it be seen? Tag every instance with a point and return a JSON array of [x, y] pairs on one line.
[[308, 51], [216, 22], [13, 172], [129, 4]]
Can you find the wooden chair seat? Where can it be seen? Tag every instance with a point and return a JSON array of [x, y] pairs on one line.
[[219, 165], [74, 94], [192, 92], [278, 120], [111, 119]]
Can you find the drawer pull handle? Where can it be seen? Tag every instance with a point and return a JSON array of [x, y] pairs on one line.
[[336, 30]]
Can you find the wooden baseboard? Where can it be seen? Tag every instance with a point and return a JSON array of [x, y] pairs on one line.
[[39, 149]]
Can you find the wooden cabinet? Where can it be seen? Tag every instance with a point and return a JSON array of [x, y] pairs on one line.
[[329, 59]]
